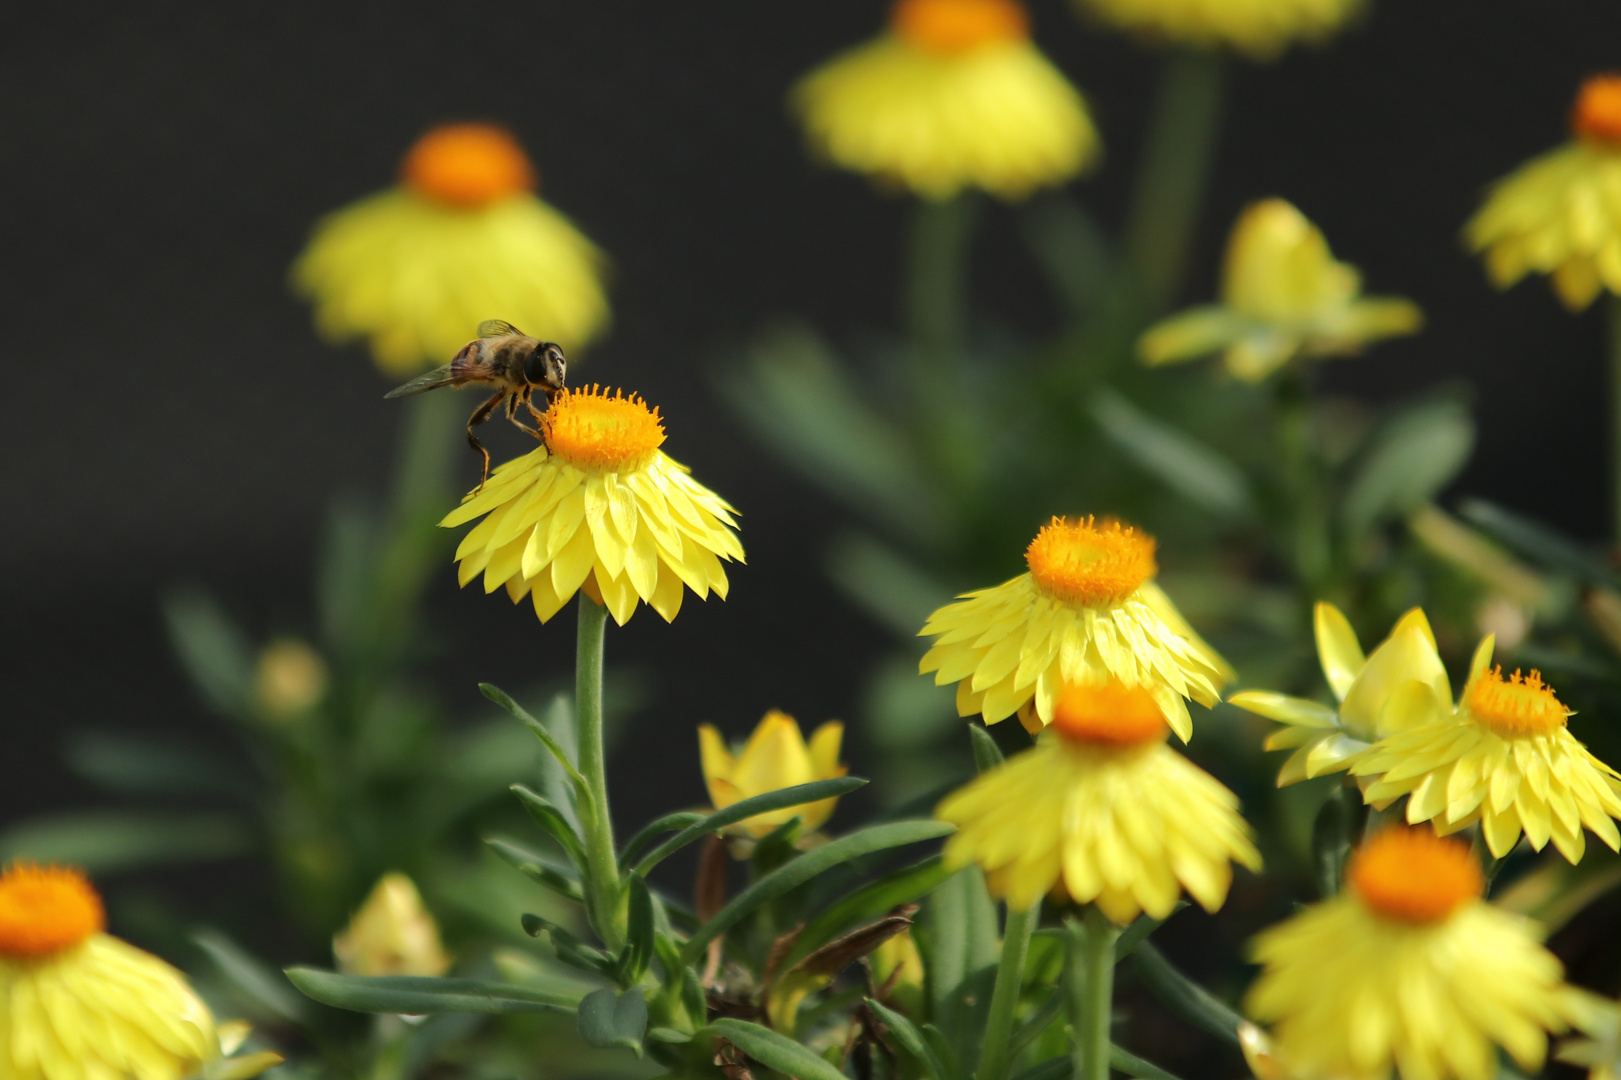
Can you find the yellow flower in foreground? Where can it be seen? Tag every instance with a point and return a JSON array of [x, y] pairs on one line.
[[77, 1003], [1087, 612], [1103, 811], [1407, 968], [775, 757], [1502, 757], [953, 96], [1261, 28], [1599, 1019], [463, 238], [603, 509], [1284, 295], [1326, 740], [393, 933], [1559, 213]]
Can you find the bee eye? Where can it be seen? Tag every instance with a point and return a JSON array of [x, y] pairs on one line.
[[534, 369]]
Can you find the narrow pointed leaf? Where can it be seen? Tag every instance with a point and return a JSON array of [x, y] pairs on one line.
[[987, 755], [607, 1019], [504, 700], [776, 1051], [551, 818], [652, 830], [904, 886], [422, 996], [638, 952], [747, 808], [258, 982], [1183, 996], [911, 1039], [537, 868]]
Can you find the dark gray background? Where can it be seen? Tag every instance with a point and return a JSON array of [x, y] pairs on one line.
[[170, 416]]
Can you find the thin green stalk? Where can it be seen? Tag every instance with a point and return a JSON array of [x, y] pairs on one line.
[[1305, 515], [1171, 179], [1615, 409], [994, 1055], [602, 884], [1091, 991], [936, 307]]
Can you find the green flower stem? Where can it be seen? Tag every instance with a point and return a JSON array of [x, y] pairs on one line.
[[602, 885], [1091, 991], [936, 305], [1171, 179], [994, 1055], [1615, 408], [1305, 515]]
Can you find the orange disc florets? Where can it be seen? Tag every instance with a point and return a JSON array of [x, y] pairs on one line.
[[1414, 875], [467, 165], [591, 430], [958, 26], [1517, 705], [44, 909], [1109, 713], [1597, 112], [1087, 562]]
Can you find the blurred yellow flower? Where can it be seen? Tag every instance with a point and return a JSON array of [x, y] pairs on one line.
[[1284, 295], [775, 757], [1325, 739], [604, 509], [290, 678], [1103, 811], [1087, 612], [1560, 213], [1260, 28], [953, 96], [76, 1002], [461, 239], [1503, 757], [1407, 968], [393, 933], [897, 972], [1599, 1020]]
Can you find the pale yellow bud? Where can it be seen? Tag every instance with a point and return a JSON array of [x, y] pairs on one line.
[[290, 678], [391, 934], [775, 757]]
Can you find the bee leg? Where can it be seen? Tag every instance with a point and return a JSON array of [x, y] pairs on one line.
[[512, 415], [481, 414]]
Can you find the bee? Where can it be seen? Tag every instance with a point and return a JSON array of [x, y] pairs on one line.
[[504, 357]]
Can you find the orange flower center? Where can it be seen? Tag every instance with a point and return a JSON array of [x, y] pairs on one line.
[[467, 165], [590, 430], [44, 909], [959, 26], [1518, 705], [1414, 875], [1597, 112], [1092, 563], [1108, 713]]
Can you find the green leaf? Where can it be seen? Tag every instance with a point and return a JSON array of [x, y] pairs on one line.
[[1185, 465], [654, 829], [1183, 996], [414, 996], [867, 903], [1135, 934], [256, 981], [987, 755], [638, 951], [962, 943], [569, 949], [671, 1036], [607, 1019], [813, 862], [139, 766], [910, 1038], [1406, 461], [1538, 542], [776, 1051], [536, 867], [747, 808], [1069, 247], [550, 817], [888, 585], [105, 841], [582, 792], [1119, 1060], [213, 651]]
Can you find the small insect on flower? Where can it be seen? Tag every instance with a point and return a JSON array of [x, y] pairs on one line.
[[504, 357]]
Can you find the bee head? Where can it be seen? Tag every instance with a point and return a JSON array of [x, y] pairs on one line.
[[546, 366]]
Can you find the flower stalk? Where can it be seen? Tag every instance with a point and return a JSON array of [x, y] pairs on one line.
[[1090, 989], [936, 299], [994, 1055], [1615, 409], [602, 878]]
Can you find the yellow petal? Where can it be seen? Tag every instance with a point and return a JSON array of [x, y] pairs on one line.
[[1337, 648]]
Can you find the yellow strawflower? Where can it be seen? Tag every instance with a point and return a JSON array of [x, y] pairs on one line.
[[775, 757], [1284, 296], [1260, 28], [1102, 811], [953, 96], [393, 933], [79, 1004], [1599, 1020], [1407, 969], [289, 678], [1087, 612], [1560, 213], [462, 238], [1327, 739], [603, 509], [1503, 757]]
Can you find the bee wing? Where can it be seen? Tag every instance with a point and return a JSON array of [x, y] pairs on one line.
[[492, 328], [428, 380]]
